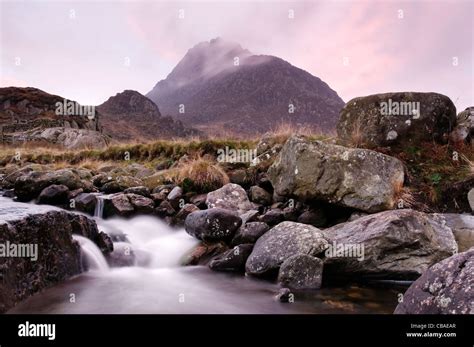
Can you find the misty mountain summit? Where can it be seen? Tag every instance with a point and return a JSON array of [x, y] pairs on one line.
[[220, 85]]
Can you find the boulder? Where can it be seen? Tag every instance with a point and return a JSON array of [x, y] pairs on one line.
[[462, 226], [232, 260], [214, 224], [199, 200], [120, 183], [204, 252], [58, 255], [229, 197], [272, 217], [280, 243], [141, 203], [85, 202], [249, 233], [470, 198], [165, 209], [398, 244], [118, 204], [301, 271], [260, 196], [55, 194], [29, 186], [445, 288], [464, 130], [356, 178], [388, 119]]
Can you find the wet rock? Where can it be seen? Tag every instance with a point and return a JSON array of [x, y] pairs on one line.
[[55, 194], [301, 271], [230, 197], [374, 120], [141, 203], [445, 288], [260, 196], [357, 178], [85, 202], [58, 256], [204, 252], [249, 233], [214, 224], [232, 260], [280, 243], [285, 295], [118, 204], [398, 244]]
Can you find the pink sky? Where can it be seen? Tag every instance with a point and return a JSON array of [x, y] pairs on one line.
[[83, 58]]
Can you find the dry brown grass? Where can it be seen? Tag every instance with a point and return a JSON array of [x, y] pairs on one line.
[[201, 175]]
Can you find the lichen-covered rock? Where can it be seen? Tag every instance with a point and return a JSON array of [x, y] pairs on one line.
[[464, 130], [396, 118], [214, 224], [232, 260], [140, 190], [356, 178], [301, 271], [445, 288], [120, 183], [398, 244], [280, 243], [229, 197]]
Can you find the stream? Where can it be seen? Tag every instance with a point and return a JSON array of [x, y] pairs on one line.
[[157, 283]]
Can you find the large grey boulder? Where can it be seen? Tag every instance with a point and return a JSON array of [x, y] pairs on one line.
[[357, 178], [212, 225], [280, 243], [396, 118], [446, 288], [398, 244], [229, 197]]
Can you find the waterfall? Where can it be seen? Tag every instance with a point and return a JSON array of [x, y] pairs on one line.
[[99, 206], [92, 254]]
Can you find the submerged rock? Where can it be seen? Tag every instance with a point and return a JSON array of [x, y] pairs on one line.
[[232, 260], [356, 178], [445, 288]]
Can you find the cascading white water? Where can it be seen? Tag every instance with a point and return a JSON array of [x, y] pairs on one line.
[[99, 206], [92, 254], [155, 244]]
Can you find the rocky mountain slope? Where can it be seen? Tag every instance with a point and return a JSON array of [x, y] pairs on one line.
[[29, 115], [130, 115], [221, 85]]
